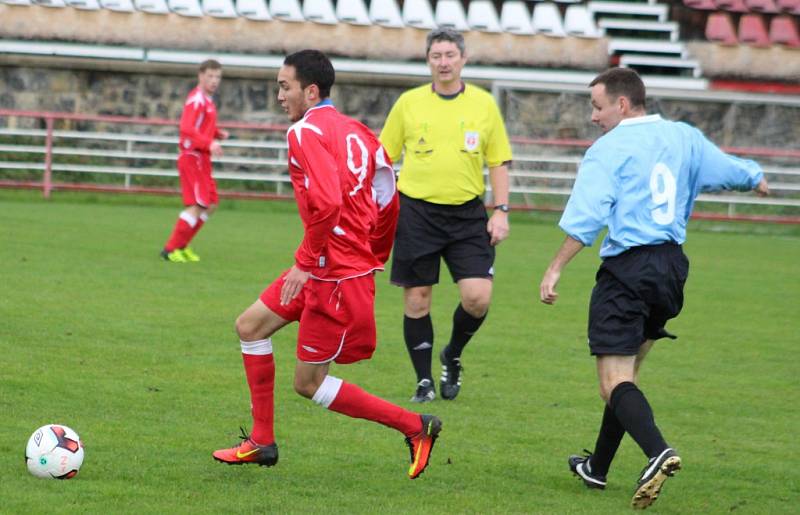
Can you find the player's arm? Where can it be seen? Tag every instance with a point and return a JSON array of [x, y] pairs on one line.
[[498, 227], [720, 171], [384, 185], [322, 193], [586, 213], [568, 250], [188, 127]]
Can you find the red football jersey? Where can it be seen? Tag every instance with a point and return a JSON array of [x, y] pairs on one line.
[[346, 194], [198, 122]]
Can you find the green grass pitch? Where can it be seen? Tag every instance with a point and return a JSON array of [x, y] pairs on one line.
[[140, 357]]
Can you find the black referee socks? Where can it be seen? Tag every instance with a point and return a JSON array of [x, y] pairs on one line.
[[464, 327], [608, 440], [418, 333]]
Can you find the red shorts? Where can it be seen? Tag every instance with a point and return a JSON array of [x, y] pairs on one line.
[[197, 185], [337, 319]]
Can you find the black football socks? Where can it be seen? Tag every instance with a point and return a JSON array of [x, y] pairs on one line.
[[418, 333], [634, 413], [608, 440]]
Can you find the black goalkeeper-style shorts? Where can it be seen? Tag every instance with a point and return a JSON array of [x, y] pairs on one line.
[[427, 233], [635, 294]]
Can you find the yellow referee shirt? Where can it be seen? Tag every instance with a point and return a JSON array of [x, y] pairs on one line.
[[446, 142]]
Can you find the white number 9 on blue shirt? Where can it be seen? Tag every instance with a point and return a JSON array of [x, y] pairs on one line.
[[662, 191]]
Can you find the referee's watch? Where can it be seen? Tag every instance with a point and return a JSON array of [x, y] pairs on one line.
[[502, 207]]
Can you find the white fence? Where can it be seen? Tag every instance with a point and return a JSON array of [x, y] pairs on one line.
[[541, 175]]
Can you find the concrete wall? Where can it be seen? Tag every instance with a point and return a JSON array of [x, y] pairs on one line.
[[253, 99]]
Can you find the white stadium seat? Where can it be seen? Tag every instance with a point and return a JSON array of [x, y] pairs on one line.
[[353, 12], [86, 5], [124, 6], [16, 2], [450, 14], [319, 11], [386, 14], [50, 3], [578, 21], [219, 8], [186, 8], [253, 9], [151, 6], [418, 13], [481, 15], [286, 10], [547, 20], [515, 18]]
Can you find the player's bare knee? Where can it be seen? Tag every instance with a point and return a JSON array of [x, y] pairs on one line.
[[417, 303], [305, 387], [247, 329], [477, 306]]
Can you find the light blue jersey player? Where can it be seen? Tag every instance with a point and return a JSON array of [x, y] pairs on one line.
[[640, 179]]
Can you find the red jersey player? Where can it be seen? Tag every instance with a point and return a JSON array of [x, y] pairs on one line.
[[345, 191], [199, 140]]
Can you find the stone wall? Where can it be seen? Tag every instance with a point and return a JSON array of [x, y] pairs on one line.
[[529, 114]]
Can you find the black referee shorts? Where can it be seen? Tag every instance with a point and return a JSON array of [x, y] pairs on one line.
[[635, 294], [427, 232]]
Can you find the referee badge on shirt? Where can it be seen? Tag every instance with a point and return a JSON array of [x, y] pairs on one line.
[[471, 140]]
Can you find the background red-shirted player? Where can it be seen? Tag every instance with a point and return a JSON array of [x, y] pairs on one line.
[[199, 140], [345, 191]]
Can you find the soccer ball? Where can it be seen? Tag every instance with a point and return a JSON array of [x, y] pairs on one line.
[[54, 452]]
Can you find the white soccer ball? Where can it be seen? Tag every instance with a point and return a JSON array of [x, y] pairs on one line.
[[54, 451]]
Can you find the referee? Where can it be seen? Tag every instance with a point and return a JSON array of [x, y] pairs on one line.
[[446, 131]]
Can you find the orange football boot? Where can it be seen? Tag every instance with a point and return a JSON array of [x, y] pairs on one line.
[[421, 445], [248, 452]]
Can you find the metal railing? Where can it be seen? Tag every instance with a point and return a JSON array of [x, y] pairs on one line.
[[120, 159]]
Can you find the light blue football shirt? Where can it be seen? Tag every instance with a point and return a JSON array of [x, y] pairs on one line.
[[640, 180]]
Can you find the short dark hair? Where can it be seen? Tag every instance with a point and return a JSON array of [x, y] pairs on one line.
[[444, 34], [622, 82], [312, 67], [209, 64]]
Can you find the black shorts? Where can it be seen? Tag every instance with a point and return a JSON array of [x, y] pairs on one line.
[[427, 232], [635, 294]]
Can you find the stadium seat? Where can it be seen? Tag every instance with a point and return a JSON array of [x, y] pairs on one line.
[[547, 20], [788, 6], [353, 12], [16, 2], [319, 11], [783, 30], [481, 15], [753, 30], [151, 6], [720, 29], [386, 14], [703, 5], [286, 10], [219, 8], [515, 18], [186, 8], [450, 14], [87, 5], [50, 3], [578, 22], [253, 9], [418, 13], [734, 6], [762, 6], [124, 6]]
